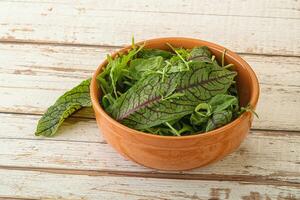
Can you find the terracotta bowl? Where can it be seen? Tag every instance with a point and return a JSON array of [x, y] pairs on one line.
[[186, 152]]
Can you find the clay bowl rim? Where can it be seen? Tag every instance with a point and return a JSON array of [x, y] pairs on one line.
[[242, 63]]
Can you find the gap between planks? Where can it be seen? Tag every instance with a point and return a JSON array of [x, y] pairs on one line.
[[197, 14], [251, 32], [230, 8], [264, 132], [114, 47], [267, 133], [15, 198], [245, 179]]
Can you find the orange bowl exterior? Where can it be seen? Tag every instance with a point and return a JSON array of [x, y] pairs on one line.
[[186, 152]]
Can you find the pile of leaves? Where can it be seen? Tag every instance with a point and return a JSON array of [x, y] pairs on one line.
[[177, 92], [170, 93]]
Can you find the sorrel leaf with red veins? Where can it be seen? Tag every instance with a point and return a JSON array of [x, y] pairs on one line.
[[144, 105]]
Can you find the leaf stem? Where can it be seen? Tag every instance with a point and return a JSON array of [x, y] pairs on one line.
[[178, 54], [132, 42], [173, 130], [228, 66], [213, 58], [223, 57]]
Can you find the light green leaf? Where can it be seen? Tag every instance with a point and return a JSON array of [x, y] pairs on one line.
[[140, 66], [222, 102], [118, 66]]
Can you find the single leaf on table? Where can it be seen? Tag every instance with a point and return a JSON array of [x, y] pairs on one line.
[[66, 105], [143, 105]]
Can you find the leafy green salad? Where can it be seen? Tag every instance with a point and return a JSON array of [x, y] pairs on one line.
[[170, 93]]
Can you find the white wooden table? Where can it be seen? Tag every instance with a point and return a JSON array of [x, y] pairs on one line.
[[47, 47]]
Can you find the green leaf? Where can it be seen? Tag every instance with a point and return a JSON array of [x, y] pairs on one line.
[[175, 95], [143, 106], [66, 105], [201, 54], [118, 67], [217, 104], [185, 128], [107, 100], [222, 102], [182, 54], [149, 53], [218, 119], [200, 114], [140, 66]]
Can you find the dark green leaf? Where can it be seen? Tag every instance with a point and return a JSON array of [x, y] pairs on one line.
[[201, 114], [201, 54], [65, 106], [218, 119], [216, 104], [143, 106]]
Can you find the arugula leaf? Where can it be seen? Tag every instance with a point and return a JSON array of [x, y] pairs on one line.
[[118, 67], [140, 66], [65, 106], [142, 106]]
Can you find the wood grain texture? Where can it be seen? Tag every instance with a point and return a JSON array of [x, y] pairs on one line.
[[90, 23], [49, 46], [264, 8], [36, 185], [79, 146], [32, 77]]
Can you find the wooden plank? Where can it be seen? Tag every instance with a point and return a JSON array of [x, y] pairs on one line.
[[33, 76], [42, 185], [279, 103], [266, 155], [74, 129], [86, 24], [264, 8]]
